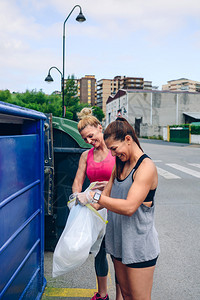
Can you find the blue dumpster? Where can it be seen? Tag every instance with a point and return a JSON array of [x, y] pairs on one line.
[[21, 203]]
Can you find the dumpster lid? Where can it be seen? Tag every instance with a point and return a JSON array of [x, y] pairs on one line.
[[195, 123], [14, 110], [69, 127]]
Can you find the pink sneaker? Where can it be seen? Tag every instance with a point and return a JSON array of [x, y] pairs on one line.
[[97, 296]]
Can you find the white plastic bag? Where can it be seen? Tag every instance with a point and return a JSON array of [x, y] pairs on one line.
[[82, 234]]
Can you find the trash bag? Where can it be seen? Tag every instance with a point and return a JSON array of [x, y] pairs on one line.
[[83, 233]]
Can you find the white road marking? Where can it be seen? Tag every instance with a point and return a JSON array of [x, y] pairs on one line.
[[185, 170], [195, 165], [166, 174], [158, 160]]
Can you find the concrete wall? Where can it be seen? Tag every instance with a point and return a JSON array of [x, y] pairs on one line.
[[188, 102], [195, 139], [150, 130], [156, 108]]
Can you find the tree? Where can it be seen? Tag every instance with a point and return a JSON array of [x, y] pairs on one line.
[[39, 101], [35, 100], [98, 113], [5, 95], [71, 99]]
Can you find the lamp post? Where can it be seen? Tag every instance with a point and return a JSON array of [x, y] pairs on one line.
[[50, 79], [79, 18]]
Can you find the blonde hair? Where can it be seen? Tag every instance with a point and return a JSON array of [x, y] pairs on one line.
[[86, 118]]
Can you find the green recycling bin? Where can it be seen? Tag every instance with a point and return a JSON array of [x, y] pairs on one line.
[[63, 150]]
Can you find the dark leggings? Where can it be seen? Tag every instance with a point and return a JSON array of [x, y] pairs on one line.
[[101, 263]]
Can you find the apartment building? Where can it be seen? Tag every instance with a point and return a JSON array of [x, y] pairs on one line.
[[87, 89], [107, 87], [182, 84], [135, 83]]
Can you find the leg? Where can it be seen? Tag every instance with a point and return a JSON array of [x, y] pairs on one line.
[[118, 292], [117, 289], [120, 276], [102, 285], [135, 283], [140, 281], [101, 268]]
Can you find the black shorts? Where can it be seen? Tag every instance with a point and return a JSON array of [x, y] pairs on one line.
[[144, 264]]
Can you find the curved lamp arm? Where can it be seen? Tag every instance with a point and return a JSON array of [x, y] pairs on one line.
[[56, 69]]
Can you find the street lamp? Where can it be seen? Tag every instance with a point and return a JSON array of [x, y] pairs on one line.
[[79, 18], [50, 79]]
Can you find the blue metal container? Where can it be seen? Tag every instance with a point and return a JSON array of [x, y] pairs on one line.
[[21, 203]]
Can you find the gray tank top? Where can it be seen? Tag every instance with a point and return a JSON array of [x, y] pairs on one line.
[[133, 239]]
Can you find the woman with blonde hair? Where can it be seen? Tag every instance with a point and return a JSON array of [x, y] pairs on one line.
[[97, 164]]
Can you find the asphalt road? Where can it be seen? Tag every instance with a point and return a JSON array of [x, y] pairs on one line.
[[177, 275]]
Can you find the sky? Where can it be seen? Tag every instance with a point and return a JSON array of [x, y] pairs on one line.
[[158, 40]]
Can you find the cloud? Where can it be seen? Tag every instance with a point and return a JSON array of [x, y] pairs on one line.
[[26, 45], [118, 36], [118, 17]]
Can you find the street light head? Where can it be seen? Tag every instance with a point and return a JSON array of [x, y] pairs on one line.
[[49, 78], [80, 18]]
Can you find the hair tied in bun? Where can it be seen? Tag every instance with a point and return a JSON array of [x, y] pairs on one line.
[[84, 113]]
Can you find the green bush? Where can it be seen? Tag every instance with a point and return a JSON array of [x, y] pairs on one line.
[[5, 95], [195, 129], [180, 125]]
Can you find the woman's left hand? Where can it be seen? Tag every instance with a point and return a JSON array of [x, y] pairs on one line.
[[100, 185]]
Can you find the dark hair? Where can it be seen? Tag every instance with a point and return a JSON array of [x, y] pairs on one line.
[[118, 130]]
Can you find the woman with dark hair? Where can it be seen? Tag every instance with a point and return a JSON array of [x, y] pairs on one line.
[[131, 237], [97, 163]]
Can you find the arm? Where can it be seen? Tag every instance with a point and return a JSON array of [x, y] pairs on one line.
[[81, 173], [108, 187], [145, 179], [106, 190]]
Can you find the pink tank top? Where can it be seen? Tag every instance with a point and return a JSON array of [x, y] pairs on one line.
[[99, 171]]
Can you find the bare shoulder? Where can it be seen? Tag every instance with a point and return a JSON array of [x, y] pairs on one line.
[[147, 172], [148, 162], [149, 166], [84, 155], [82, 164]]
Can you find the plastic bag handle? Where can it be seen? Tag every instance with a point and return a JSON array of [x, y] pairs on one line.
[[89, 205], [96, 212]]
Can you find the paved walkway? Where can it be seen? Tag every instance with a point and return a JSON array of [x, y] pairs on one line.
[[78, 284]]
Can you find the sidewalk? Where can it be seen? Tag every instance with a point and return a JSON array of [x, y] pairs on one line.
[[78, 284], [166, 143]]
